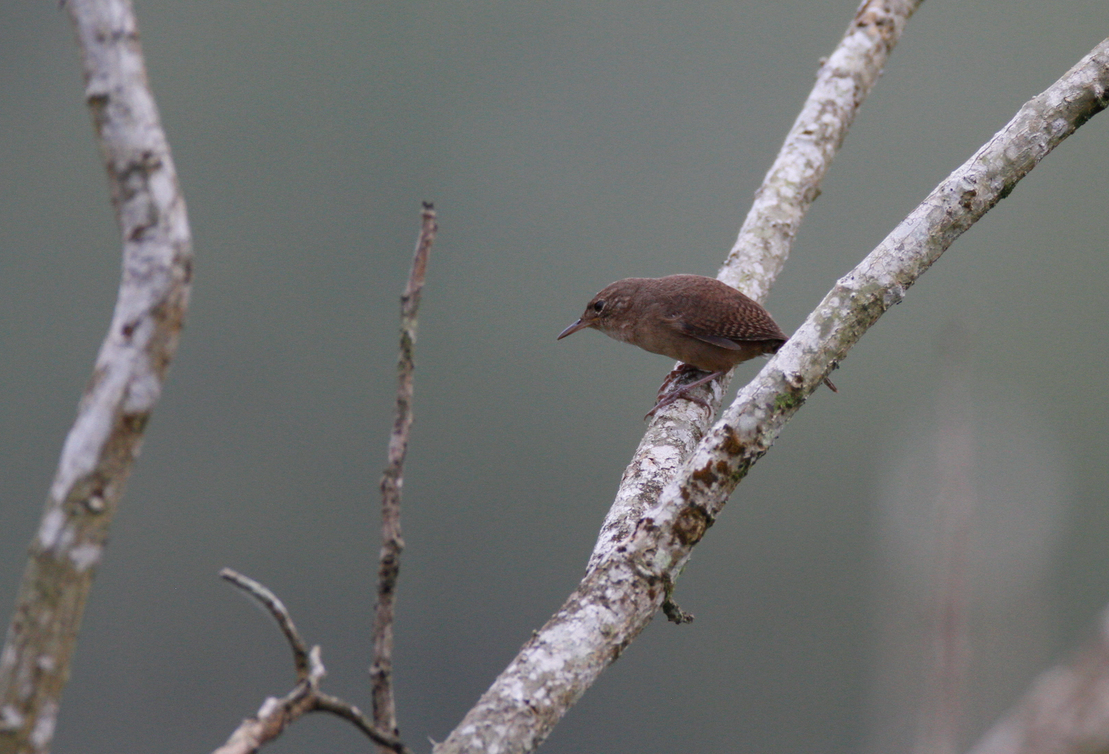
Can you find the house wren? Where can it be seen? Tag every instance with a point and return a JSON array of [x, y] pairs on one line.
[[700, 321]]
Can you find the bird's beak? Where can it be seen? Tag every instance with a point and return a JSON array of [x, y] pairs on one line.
[[579, 325]]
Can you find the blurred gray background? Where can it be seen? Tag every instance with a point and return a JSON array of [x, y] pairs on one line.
[[565, 145]]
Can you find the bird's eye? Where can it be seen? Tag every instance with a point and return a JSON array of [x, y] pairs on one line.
[[598, 306]]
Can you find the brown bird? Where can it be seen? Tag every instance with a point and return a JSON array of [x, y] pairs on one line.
[[700, 321]]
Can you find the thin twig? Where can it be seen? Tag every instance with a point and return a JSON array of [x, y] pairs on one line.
[[277, 714], [336, 706], [381, 668], [102, 445], [280, 614]]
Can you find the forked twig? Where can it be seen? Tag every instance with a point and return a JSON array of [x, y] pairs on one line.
[[277, 714]]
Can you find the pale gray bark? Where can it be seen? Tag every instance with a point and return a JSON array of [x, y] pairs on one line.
[[620, 594], [104, 441], [792, 184], [790, 187], [626, 585]]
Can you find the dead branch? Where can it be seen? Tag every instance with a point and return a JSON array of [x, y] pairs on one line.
[[565, 657], [277, 714], [106, 436], [381, 668], [790, 187], [626, 585]]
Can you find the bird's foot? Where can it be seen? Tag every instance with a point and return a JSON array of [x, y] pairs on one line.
[[665, 398], [677, 374]]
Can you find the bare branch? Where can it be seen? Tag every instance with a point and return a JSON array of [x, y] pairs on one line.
[[587, 634], [106, 436], [749, 426], [626, 585], [381, 669], [788, 190], [1066, 711], [793, 182], [336, 706], [277, 714], [280, 614]]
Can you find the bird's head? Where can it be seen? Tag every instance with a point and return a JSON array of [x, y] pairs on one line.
[[605, 311]]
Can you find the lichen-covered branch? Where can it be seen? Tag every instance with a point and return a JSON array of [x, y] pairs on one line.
[[749, 426], [625, 587], [104, 441], [565, 657], [381, 668], [765, 239], [620, 594], [793, 182]]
